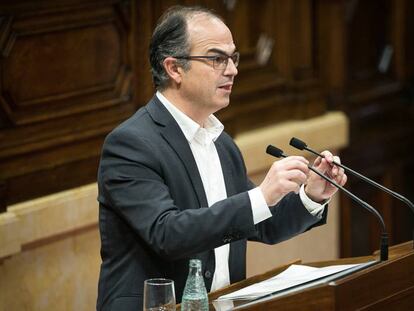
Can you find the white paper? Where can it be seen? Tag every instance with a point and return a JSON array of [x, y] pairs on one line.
[[223, 305], [294, 275]]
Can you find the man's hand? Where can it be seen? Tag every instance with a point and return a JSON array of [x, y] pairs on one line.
[[284, 176], [316, 188]]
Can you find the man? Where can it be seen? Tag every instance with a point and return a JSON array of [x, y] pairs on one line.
[[172, 184]]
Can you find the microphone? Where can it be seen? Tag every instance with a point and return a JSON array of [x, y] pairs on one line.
[[299, 144], [278, 153]]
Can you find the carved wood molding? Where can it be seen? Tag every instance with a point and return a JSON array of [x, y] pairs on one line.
[[66, 81], [61, 63]]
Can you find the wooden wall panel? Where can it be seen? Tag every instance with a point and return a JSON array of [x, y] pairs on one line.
[[369, 34], [71, 70], [66, 80], [50, 71], [353, 38], [285, 87], [407, 7]]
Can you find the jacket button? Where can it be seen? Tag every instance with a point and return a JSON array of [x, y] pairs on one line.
[[207, 274]]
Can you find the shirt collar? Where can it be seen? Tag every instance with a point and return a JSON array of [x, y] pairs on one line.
[[191, 129]]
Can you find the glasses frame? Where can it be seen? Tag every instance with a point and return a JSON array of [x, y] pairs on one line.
[[235, 58]]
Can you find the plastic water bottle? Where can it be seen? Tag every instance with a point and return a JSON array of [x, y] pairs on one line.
[[195, 293]]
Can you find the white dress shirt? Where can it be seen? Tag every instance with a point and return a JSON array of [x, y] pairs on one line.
[[201, 141]]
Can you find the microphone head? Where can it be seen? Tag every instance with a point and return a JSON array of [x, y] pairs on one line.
[[297, 143], [274, 151]]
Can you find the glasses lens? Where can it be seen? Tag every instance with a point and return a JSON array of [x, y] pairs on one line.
[[221, 61], [235, 58]]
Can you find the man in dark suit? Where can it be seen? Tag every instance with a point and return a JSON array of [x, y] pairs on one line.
[[173, 185]]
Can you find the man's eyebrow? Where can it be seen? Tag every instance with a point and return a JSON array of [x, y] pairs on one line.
[[216, 50]]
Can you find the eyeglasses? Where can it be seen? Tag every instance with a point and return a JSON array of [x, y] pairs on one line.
[[219, 61]]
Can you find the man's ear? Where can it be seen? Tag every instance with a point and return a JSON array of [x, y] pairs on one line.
[[172, 69]]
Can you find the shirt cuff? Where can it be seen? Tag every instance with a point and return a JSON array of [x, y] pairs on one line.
[[260, 209], [315, 209]]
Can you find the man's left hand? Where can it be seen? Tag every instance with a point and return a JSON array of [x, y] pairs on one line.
[[318, 189]]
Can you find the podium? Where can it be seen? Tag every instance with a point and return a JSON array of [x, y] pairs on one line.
[[387, 285]]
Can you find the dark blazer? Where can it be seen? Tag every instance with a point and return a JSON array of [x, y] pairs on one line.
[[153, 212]]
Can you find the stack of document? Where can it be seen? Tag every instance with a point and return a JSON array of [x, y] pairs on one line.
[[292, 276]]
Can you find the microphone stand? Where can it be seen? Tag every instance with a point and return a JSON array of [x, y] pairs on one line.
[[276, 152], [297, 143]]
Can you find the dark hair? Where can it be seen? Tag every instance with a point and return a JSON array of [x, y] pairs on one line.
[[170, 38]]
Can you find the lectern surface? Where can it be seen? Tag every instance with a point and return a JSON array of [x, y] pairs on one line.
[[388, 285]]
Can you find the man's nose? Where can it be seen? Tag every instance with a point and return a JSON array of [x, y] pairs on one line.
[[231, 69]]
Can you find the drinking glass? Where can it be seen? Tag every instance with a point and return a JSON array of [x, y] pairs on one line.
[[159, 295]]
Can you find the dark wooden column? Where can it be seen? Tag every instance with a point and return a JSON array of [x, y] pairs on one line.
[[366, 72]]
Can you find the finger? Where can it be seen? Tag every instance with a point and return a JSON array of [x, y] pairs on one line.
[[340, 179], [326, 164], [337, 159], [296, 176], [343, 180], [323, 166], [328, 156], [337, 170], [341, 172], [296, 158], [317, 161], [291, 164]]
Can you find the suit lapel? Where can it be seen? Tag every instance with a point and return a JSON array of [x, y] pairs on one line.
[[229, 179], [172, 133]]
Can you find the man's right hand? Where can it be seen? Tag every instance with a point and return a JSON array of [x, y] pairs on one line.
[[284, 176]]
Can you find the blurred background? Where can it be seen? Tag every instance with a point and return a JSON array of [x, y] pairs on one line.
[[337, 73]]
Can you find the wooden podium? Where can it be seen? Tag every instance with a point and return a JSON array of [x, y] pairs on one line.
[[387, 285]]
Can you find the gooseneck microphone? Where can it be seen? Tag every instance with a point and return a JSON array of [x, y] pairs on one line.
[[278, 153], [301, 145]]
